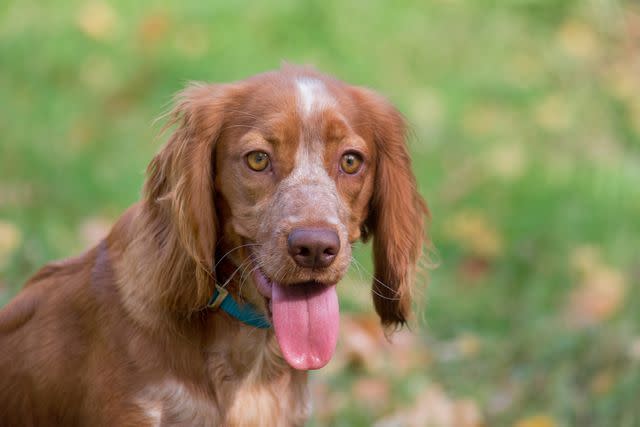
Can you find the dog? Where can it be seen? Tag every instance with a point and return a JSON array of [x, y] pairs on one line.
[[211, 298]]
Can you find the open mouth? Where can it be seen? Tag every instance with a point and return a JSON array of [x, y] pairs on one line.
[[305, 318]]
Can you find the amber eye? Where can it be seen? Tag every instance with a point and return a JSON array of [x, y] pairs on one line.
[[258, 160], [350, 163]]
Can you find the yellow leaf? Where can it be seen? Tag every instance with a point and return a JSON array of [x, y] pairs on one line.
[[597, 297], [578, 39], [468, 344], [97, 20], [634, 349], [507, 161], [10, 239], [485, 119], [622, 79], [553, 113], [584, 258], [473, 231], [536, 421]]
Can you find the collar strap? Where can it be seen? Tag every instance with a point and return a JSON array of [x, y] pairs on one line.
[[246, 313]]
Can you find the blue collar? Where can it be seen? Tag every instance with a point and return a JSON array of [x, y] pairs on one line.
[[246, 313]]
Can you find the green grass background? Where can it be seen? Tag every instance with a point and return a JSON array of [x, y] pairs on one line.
[[525, 122]]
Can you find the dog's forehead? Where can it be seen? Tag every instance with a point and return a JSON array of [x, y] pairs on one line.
[[311, 104], [312, 96]]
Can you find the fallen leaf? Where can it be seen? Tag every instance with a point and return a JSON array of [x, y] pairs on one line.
[[97, 20], [506, 161], [468, 344], [584, 258], [407, 353], [474, 268], [371, 393], [362, 342], [10, 240], [153, 28], [552, 113], [435, 408], [634, 349], [474, 232], [536, 421], [622, 79], [597, 298], [578, 39], [602, 382], [485, 119]]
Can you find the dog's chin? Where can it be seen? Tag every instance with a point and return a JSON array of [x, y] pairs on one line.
[[305, 317]]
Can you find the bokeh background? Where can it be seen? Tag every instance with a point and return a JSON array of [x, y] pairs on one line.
[[525, 139]]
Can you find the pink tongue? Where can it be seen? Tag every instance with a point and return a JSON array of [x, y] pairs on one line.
[[306, 320]]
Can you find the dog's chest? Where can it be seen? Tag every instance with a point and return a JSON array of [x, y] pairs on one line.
[[172, 403]]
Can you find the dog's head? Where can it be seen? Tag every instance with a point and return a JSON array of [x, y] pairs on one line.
[[281, 174]]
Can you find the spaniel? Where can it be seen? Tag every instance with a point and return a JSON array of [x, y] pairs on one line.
[[211, 298]]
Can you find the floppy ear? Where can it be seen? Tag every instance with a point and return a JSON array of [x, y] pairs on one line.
[[180, 185], [396, 213]]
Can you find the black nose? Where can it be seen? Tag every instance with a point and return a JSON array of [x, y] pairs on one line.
[[313, 247]]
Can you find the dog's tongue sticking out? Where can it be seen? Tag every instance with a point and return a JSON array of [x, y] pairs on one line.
[[306, 320]]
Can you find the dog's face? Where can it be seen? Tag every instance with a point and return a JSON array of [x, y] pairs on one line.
[[300, 166], [297, 178]]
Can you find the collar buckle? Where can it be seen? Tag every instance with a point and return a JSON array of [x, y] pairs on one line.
[[219, 295]]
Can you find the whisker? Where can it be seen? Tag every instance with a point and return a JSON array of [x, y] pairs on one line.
[[384, 285], [247, 259], [231, 250]]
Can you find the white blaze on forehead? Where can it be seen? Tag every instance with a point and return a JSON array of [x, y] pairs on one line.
[[312, 96]]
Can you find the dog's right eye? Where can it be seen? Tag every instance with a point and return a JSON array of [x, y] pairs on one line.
[[258, 160]]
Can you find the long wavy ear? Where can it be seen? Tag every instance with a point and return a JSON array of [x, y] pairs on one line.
[[179, 189], [396, 213]]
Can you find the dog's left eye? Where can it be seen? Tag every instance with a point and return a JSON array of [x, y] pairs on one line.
[[258, 160]]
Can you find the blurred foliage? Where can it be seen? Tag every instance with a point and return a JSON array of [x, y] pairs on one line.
[[526, 143]]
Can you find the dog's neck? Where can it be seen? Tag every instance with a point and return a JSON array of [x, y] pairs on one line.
[[157, 285], [154, 280]]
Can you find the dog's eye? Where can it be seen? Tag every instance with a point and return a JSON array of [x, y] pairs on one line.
[[258, 160], [350, 163]]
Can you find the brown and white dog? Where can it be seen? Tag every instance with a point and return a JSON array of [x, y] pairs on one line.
[[263, 188]]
